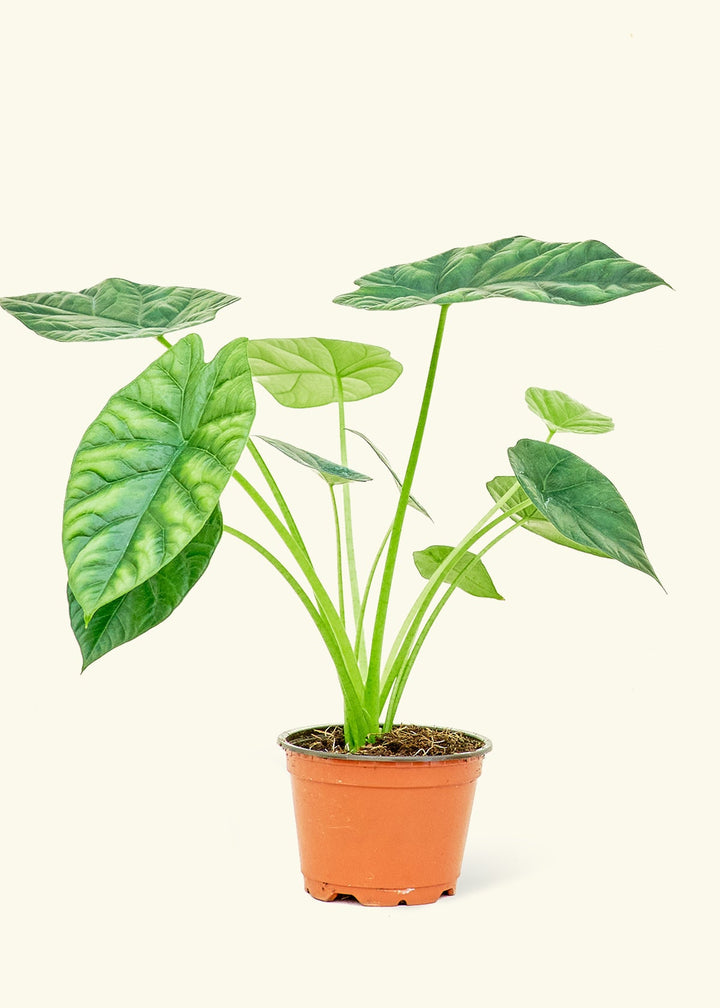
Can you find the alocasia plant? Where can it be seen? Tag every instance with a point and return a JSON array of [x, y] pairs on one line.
[[142, 515]]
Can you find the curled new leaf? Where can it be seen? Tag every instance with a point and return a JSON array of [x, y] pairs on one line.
[[573, 273], [115, 309]]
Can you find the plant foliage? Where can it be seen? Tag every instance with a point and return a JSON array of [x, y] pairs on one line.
[[142, 516]]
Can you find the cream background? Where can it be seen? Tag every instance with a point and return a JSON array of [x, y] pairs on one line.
[[278, 152]]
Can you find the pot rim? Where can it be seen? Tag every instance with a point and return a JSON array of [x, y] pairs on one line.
[[285, 741]]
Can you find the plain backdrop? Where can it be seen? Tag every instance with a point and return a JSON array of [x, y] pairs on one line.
[[277, 152]]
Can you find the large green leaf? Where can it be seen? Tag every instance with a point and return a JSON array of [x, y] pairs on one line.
[[150, 469], [579, 501], [529, 515], [150, 603], [314, 372], [115, 309], [474, 578], [576, 273], [331, 472], [412, 501], [561, 413]]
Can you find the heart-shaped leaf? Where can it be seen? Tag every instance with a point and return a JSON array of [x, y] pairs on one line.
[[115, 309], [474, 579], [150, 603], [314, 372], [561, 413], [331, 472], [529, 515], [150, 469], [413, 501], [576, 273], [579, 501]]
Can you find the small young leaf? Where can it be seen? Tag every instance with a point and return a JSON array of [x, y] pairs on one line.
[[531, 518], [576, 273], [314, 372], [579, 501], [561, 413], [413, 501], [150, 469], [474, 579], [150, 603], [331, 472], [115, 309]]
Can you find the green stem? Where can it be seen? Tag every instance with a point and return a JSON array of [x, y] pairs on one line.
[[338, 550], [275, 490], [402, 678], [419, 607], [347, 514], [366, 593], [373, 678], [166, 343], [323, 599], [402, 645], [351, 699]]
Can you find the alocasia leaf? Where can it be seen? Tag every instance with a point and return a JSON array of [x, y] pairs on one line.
[[475, 579], [115, 309], [151, 602], [561, 413], [150, 469], [331, 472], [531, 518], [574, 273], [579, 501], [413, 501], [313, 372]]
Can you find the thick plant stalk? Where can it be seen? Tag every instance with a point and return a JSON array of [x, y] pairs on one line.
[[352, 701], [325, 603], [372, 692], [275, 490]]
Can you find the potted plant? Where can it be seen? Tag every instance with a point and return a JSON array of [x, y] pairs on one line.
[[382, 809]]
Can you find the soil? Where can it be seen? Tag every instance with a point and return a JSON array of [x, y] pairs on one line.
[[403, 740]]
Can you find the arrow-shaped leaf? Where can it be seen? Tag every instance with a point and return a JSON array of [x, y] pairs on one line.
[[413, 501], [150, 603], [474, 579], [314, 372], [561, 413], [574, 273], [331, 472], [529, 515], [579, 501], [115, 309], [150, 469]]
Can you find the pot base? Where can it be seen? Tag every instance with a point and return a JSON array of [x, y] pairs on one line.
[[327, 892]]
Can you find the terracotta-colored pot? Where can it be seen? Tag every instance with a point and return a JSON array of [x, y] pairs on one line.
[[386, 830]]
